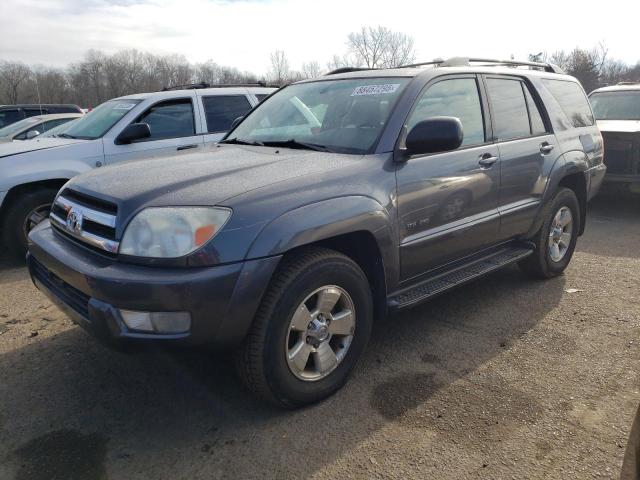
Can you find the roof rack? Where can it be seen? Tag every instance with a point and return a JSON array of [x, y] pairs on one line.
[[464, 62], [467, 61], [628, 82], [193, 86]]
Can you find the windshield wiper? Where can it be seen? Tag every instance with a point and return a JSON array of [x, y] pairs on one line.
[[238, 141], [65, 135], [293, 143]]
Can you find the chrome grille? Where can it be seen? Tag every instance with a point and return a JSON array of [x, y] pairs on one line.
[[86, 219]]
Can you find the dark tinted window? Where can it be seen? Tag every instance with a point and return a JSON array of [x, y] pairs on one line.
[[572, 100], [453, 98], [509, 109], [537, 125], [7, 117], [32, 112], [169, 119], [222, 110], [261, 96]]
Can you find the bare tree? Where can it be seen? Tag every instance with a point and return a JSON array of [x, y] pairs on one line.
[[311, 69], [13, 76], [280, 70], [379, 47]]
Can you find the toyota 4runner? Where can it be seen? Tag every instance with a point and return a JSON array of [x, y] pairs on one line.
[[333, 202]]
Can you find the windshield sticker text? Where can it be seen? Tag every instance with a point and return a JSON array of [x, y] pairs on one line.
[[375, 89]]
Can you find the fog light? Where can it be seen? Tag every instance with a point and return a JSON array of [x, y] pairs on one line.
[[157, 322]]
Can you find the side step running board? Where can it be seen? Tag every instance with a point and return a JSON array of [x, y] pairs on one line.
[[458, 275]]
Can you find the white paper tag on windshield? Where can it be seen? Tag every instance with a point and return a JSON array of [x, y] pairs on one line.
[[375, 89], [124, 106]]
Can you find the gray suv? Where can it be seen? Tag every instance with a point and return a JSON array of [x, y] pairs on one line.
[[333, 202]]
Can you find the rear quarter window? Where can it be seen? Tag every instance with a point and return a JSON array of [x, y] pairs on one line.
[[572, 100]]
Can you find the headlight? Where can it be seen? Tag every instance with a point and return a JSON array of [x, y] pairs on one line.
[[170, 232]]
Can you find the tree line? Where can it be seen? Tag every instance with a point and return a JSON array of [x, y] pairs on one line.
[[99, 76]]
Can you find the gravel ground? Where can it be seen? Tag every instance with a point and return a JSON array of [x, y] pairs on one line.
[[504, 378]]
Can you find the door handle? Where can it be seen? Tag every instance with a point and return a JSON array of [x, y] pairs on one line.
[[545, 148], [186, 147], [487, 160]]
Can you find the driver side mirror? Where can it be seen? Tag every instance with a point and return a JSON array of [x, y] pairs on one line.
[[235, 123], [436, 134], [132, 132], [32, 134]]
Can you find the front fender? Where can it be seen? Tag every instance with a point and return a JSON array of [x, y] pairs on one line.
[[326, 219]]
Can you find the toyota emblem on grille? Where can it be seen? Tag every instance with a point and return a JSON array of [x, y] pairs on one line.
[[74, 221]]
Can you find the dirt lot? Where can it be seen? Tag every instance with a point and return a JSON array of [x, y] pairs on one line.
[[505, 378]]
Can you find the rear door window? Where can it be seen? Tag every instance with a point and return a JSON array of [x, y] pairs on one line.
[[221, 110], [170, 119], [537, 124], [572, 101], [508, 109]]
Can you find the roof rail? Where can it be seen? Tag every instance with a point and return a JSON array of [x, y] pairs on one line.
[[192, 86], [467, 61], [628, 82], [348, 69]]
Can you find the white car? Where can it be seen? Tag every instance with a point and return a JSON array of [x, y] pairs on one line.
[[126, 128], [32, 127], [617, 110]]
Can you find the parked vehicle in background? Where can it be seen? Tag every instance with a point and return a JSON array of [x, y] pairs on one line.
[[14, 113], [334, 201], [55, 131], [137, 126], [617, 110], [32, 127]]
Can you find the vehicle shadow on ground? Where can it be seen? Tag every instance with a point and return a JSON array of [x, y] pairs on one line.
[[73, 408], [617, 215]]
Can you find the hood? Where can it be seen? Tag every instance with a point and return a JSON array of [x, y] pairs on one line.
[[208, 177], [6, 139], [14, 148], [622, 126]]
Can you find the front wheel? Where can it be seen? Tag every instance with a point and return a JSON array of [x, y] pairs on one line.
[[22, 215], [556, 239], [312, 326]]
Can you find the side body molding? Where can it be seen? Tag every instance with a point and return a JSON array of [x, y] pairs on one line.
[[330, 218]]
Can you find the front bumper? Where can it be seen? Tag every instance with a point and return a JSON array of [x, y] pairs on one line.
[[222, 300]]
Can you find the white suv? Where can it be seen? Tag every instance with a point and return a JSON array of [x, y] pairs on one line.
[[126, 128]]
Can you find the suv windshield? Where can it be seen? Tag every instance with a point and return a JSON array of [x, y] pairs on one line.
[[623, 105], [99, 120], [337, 115]]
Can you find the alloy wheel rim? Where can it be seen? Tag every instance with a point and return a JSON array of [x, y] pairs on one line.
[[560, 234], [35, 216], [320, 333]]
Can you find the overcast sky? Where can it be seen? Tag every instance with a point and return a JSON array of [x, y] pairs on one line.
[[242, 33]]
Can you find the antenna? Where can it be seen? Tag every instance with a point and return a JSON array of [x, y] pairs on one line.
[[38, 92]]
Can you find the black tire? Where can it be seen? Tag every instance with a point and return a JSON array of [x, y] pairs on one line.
[[261, 360], [15, 216], [540, 264]]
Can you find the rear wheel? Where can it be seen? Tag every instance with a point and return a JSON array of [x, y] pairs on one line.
[[556, 239], [22, 215], [313, 325]]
